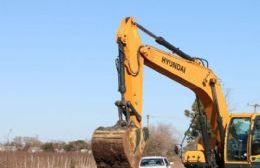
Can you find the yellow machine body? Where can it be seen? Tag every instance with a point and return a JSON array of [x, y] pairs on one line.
[[187, 71]]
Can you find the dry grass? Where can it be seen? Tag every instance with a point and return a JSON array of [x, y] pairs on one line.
[[46, 160]]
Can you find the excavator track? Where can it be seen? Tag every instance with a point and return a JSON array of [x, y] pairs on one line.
[[115, 147]]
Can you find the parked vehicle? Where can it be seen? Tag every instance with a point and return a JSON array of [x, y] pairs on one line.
[[155, 162]]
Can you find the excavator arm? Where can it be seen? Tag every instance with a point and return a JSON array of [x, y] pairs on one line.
[[122, 145]]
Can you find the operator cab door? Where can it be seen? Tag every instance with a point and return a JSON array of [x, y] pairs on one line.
[[255, 149], [236, 146]]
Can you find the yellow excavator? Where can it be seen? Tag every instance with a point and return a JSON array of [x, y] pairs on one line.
[[237, 136]]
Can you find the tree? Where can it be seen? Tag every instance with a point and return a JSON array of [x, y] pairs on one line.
[[24, 143], [32, 141], [58, 144], [195, 129], [18, 142], [69, 147], [76, 145], [161, 141], [48, 147]]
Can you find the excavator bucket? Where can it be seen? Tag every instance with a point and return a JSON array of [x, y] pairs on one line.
[[115, 147]]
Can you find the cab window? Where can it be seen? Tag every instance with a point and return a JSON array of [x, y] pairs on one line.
[[256, 137], [237, 139]]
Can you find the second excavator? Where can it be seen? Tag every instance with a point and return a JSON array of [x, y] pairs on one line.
[[237, 136]]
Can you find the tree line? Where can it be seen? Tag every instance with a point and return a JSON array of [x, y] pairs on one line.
[[33, 143]]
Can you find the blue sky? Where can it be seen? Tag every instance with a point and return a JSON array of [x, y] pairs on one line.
[[58, 78]]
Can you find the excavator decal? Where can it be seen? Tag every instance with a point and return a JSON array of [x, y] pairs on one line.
[[173, 64]]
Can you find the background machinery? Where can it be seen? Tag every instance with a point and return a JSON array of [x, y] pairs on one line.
[[237, 136]]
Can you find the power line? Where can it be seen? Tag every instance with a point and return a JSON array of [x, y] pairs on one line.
[[255, 106]]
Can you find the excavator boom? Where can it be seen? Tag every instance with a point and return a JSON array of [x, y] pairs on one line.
[[122, 145]]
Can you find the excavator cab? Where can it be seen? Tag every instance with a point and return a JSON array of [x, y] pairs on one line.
[[242, 141], [242, 145]]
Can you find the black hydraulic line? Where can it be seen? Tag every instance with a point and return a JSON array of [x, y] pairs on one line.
[[204, 132], [219, 118], [202, 61], [160, 40], [121, 77], [146, 31], [120, 68]]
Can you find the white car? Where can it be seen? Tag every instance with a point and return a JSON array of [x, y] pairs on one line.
[[155, 162]]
